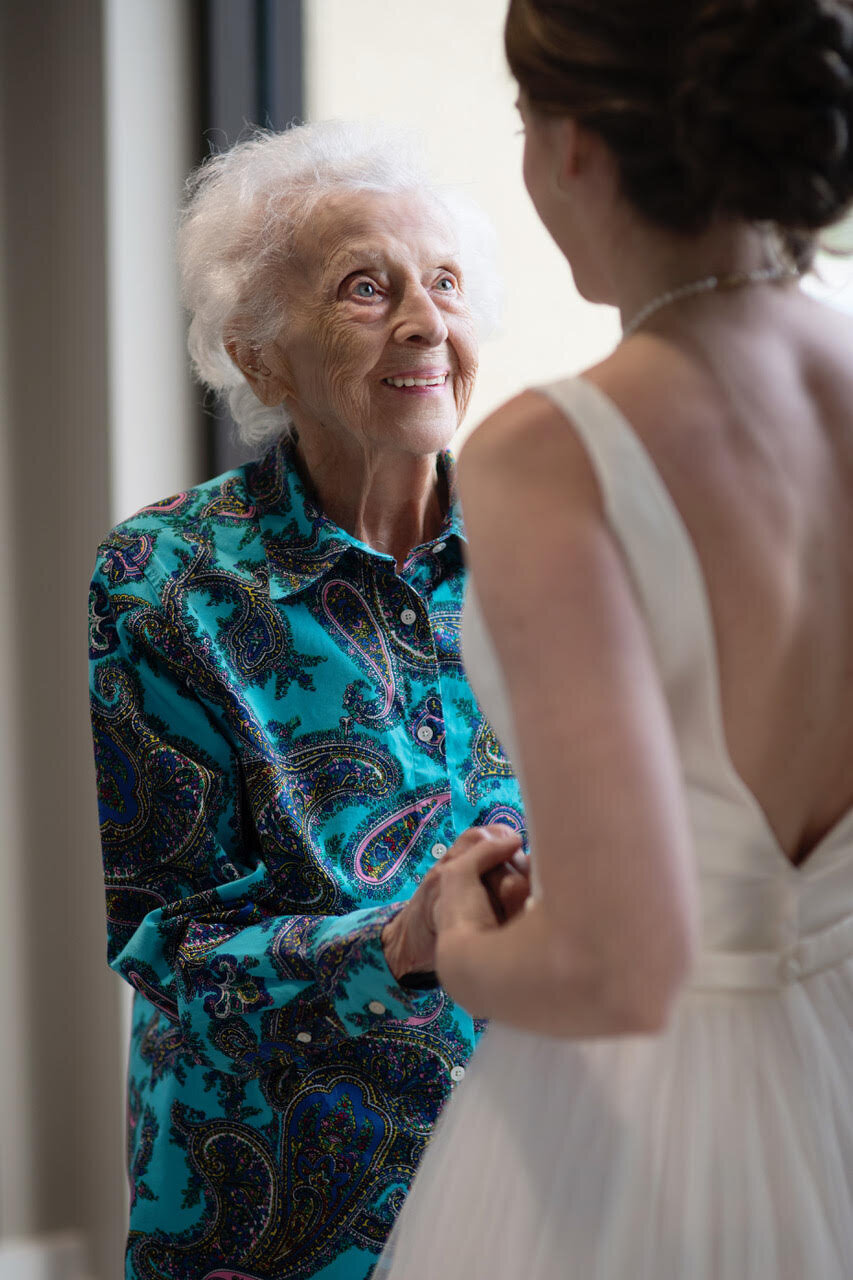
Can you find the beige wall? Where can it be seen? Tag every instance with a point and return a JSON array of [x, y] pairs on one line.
[[14, 1057], [60, 1163], [93, 420], [150, 148], [439, 67]]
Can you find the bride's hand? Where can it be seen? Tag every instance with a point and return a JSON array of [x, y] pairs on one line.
[[489, 855], [508, 886], [484, 879]]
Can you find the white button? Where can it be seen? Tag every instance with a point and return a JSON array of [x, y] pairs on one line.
[[438, 850], [439, 546], [425, 733], [304, 1037], [790, 969], [408, 616], [376, 1006], [457, 1073]]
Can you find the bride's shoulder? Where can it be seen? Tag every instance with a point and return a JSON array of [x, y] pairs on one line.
[[525, 438], [509, 425], [525, 460], [649, 379]]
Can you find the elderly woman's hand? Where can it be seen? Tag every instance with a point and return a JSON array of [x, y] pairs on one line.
[[482, 878]]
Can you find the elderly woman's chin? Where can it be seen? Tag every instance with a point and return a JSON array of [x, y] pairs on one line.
[[421, 420]]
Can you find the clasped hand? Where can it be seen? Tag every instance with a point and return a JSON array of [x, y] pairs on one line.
[[482, 881]]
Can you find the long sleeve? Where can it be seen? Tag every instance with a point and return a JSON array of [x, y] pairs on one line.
[[197, 921], [286, 741]]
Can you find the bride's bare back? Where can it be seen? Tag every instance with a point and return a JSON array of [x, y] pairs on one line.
[[747, 411]]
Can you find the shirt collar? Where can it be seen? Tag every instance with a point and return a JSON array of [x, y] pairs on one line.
[[301, 544]]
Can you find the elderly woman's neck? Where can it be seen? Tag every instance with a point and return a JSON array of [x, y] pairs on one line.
[[392, 501]]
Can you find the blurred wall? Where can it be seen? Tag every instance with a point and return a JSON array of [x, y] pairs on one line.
[[61, 1087], [95, 418], [151, 144]]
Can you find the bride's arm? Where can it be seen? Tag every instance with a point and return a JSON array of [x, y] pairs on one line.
[[606, 946]]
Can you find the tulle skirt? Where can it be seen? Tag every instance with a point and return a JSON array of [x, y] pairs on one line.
[[719, 1150]]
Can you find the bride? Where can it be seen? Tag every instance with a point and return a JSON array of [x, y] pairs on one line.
[[660, 626]]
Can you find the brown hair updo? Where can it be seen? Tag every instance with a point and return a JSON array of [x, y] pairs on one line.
[[736, 107]]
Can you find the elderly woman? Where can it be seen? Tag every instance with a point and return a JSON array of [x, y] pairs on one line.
[[285, 739]]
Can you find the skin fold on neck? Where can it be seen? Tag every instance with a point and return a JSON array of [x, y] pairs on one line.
[[388, 500]]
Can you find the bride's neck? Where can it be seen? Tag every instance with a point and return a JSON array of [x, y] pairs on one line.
[[646, 262]]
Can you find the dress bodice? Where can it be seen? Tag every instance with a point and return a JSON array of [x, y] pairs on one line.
[[765, 923]]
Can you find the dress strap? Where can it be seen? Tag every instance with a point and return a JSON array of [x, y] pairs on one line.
[[665, 569]]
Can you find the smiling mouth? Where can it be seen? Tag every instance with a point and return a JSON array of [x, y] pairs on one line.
[[437, 380]]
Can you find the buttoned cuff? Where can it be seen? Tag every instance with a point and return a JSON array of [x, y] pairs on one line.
[[356, 975]]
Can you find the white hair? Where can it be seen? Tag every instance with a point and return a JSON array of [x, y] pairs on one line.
[[238, 228]]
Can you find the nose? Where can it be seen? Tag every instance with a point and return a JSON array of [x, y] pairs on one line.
[[419, 320]]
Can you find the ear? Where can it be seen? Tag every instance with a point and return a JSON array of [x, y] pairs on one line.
[[270, 387], [571, 153]]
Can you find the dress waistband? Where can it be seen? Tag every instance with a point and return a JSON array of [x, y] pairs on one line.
[[772, 970]]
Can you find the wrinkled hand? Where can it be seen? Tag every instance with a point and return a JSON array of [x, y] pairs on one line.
[[488, 873]]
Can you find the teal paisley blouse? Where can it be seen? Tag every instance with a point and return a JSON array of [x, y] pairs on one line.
[[284, 740]]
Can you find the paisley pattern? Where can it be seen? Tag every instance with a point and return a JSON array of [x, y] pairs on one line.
[[283, 735]]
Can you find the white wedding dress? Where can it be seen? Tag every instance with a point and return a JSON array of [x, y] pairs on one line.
[[721, 1149]]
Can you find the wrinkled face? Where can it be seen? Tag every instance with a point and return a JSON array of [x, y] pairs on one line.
[[379, 343]]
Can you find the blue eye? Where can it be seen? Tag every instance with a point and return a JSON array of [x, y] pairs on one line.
[[446, 285], [364, 289]]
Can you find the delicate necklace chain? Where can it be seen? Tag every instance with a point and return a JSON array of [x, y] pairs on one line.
[[708, 284]]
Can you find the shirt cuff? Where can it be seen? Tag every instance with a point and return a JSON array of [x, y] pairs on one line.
[[355, 972]]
